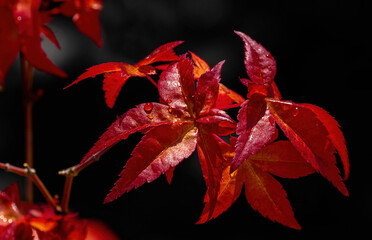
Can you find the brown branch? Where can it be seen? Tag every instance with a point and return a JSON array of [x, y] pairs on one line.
[[66, 193], [13, 169], [70, 173], [30, 173], [27, 79]]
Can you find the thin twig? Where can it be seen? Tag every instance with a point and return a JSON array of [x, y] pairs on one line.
[[13, 169], [70, 173], [30, 173]]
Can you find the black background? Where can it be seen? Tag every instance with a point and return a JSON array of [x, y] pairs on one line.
[[322, 53]]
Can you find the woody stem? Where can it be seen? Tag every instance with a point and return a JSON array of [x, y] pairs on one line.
[[28, 101], [30, 173]]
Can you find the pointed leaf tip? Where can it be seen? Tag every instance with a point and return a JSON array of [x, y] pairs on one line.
[[259, 63]]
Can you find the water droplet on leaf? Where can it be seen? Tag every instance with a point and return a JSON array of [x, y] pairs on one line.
[[18, 19], [150, 117], [269, 68], [148, 107], [295, 111]]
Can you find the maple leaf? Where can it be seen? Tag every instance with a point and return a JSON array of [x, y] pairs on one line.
[[263, 192], [85, 15], [116, 74], [187, 118], [226, 96], [21, 24], [311, 130]]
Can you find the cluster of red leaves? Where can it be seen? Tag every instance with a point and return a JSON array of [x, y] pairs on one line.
[[21, 220], [190, 116], [23, 21]]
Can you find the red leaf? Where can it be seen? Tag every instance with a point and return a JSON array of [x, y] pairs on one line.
[[283, 160], [335, 135], [310, 136], [217, 121], [255, 129], [123, 68], [230, 189], [211, 160], [263, 192], [177, 85], [200, 65], [160, 149], [227, 97], [21, 25], [266, 195], [169, 174], [117, 73], [172, 130], [85, 14], [112, 85], [50, 35], [207, 88], [9, 38], [260, 65], [164, 53], [137, 119]]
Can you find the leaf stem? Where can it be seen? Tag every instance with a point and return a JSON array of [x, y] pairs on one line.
[[152, 81], [28, 101]]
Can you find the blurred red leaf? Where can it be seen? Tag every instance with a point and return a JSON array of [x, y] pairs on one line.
[[85, 15], [21, 23], [21, 220]]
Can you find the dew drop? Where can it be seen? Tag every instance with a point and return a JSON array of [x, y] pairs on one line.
[[295, 112], [168, 101], [170, 110], [269, 68], [268, 55], [148, 107], [150, 117], [18, 19]]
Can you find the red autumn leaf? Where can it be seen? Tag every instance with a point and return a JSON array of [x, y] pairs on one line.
[[315, 134], [200, 65], [263, 192], [312, 131], [154, 155], [255, 129], [117, 73], [172, 130], [260, 65], [20, 26], [335, 135], [85, 15], [226, 96]]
